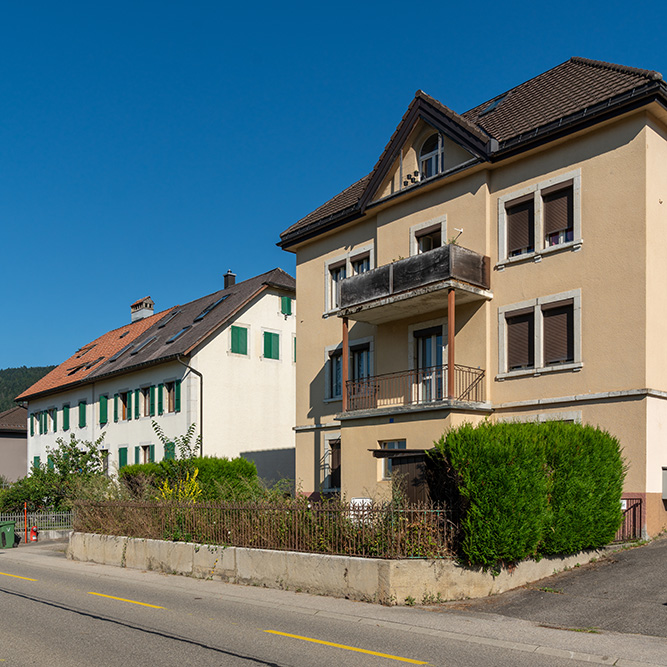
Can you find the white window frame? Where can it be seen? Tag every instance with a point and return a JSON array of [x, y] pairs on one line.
[[367, 249], [437, 156], [537, 191], [537, 305], [425, 227]]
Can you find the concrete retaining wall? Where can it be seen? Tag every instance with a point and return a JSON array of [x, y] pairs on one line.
[[366, 579]]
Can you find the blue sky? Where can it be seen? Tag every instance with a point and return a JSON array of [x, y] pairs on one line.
[[147, 147]]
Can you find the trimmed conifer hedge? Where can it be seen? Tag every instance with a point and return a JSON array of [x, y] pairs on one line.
[[529, 489]]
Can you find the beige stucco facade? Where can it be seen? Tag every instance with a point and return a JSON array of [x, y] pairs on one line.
[[612, 272]]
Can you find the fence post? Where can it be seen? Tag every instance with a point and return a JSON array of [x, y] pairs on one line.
[[25, 520]]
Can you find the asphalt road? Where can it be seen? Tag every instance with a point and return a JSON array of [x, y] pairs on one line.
[[59, 612]]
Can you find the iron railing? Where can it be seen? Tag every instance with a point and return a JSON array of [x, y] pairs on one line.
[[415, 387], [631, 528], [329, 527], [43, 520]]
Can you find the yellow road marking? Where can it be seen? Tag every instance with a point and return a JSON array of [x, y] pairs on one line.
[[111, 597], [16, 576], [349, 648]]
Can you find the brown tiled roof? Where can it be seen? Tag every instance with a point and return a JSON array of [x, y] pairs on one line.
[[14, 419], [538, 105], [156, 332], [557, 93], [82, 364]]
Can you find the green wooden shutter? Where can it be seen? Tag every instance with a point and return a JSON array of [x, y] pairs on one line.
[[160, 399], [55, 419], [169, 451], [152, 400], [104, 410], [137, 395], [115, 407], [137, 454], [35, 461], [271, 345], [49, 462], [65, 417], [32, 425], [151, 454], [285, 305], [239, 340], [128, 412], [82, 414], [122, 457], [177, 396]]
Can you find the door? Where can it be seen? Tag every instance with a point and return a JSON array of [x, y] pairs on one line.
[[430, 376]]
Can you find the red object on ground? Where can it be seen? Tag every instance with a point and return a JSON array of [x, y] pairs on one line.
[[33, 534]]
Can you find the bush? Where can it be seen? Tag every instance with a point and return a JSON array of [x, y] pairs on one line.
[[527, 489]]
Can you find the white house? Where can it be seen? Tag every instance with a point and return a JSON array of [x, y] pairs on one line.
[[225, 362]]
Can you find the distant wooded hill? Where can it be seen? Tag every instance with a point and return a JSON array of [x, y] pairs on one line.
[[15, 380]]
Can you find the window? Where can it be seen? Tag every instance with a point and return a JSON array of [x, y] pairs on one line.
[[335, 374], [428, 241], [361, 264], [361, 361], [271, 345], [160, 399], [386, 463], [143, 344], [53, 412], [144, 454], [176, 336], [66, 417], [210, 307], [336, 274], [239, 340], [431, 156], [332, 465], [286, 305], [82, 414], [32, 424], [125, 405], [173, 392], [541, 335], [540, 218]]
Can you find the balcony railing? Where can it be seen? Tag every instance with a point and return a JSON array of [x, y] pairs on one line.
[[450, 262], [421, 386]]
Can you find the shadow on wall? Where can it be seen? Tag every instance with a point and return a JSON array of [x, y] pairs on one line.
[[273, 464]]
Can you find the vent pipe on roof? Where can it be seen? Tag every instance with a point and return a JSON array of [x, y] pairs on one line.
[[230, 278], [142, 308]]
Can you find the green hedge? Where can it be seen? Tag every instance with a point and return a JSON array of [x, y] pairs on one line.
[[220, 478], [527, 489]]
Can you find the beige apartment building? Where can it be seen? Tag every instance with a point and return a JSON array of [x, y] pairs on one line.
[[507, 263]]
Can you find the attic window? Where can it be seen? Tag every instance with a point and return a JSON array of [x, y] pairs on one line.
[[208, 309], [123, 334], [90, 364], [84, 350], [71, 371], [431, 157], [141, 346], [168, 318], [179, 334], [120, 352], [493, 105]]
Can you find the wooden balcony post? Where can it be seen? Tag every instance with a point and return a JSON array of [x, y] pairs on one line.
[[451, 331], [346, 360]]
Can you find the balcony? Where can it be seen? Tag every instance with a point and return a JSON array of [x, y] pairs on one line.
[[415, 285], [419, 388]]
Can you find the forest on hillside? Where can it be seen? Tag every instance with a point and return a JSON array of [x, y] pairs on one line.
[[15, 380]]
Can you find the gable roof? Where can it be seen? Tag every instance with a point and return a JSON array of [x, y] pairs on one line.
[[156, 341], [14, 420], [567, 97]]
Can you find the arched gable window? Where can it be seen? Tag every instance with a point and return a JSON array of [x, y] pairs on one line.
[[431, 156]]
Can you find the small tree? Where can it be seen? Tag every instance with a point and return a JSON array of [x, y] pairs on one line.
[[181, 482]]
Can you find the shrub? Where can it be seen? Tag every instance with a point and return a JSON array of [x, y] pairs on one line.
[[526, 489]]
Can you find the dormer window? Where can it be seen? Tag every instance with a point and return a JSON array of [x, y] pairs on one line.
[[431, 157]]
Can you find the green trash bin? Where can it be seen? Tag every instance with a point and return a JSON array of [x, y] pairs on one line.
[[7, 540]]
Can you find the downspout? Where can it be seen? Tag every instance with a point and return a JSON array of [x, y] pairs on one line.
[[201, 403]]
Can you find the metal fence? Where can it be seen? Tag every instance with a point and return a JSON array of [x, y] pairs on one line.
[[43, 520], [631, 528], [330, 527]]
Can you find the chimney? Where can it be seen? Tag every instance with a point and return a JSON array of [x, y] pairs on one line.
[[230, 278], [142, 308]]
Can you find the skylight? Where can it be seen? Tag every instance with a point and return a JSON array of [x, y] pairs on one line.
[[493, 105], [120, 352], [141, 346], [179, 334], [169, 318], [208, 309]]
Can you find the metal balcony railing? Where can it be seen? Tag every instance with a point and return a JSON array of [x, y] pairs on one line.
[[415, 387]]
